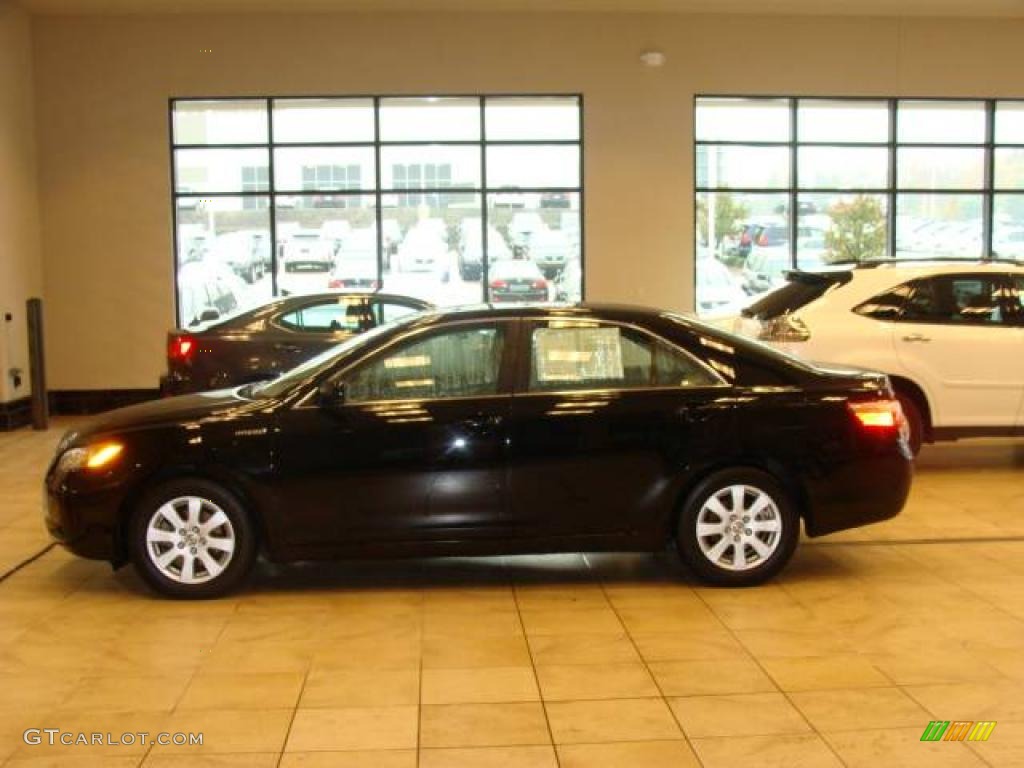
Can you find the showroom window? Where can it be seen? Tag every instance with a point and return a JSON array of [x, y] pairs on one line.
[[420, 196], [785, 183]]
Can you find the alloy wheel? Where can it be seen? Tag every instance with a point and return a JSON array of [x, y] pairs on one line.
[[190, 540], [739, 527]]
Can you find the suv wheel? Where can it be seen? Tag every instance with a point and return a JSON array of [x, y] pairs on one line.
[[737, 528], [915, 422], [192, 539]]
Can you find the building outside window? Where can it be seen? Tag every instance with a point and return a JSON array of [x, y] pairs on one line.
[[303, 195], [805, 183]]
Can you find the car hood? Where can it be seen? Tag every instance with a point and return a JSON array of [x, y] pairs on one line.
[[219, 404]]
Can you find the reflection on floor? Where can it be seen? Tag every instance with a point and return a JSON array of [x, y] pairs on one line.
[[580, 660]]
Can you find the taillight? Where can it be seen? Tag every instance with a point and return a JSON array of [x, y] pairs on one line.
[[499, 284], [181, 348], [335, 283], [539, 284], [762, 239], [784, 328], [745, 238], [878, 414]]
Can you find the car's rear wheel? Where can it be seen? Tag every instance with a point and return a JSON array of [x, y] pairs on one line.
[[915, 422], [192, 539], [738, 527]]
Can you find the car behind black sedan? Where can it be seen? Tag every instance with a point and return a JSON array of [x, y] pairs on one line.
[[491, 430], [263, 342]]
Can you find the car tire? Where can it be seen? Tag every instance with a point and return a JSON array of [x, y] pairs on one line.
[[191, 538], [765, 547], [915, 421]]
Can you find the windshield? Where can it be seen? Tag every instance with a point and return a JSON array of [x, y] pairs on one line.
[[324, 360]]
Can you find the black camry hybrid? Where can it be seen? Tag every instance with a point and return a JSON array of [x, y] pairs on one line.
[[490, 430]]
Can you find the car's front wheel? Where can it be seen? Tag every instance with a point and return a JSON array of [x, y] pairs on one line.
[[737, 528], [192, 539]]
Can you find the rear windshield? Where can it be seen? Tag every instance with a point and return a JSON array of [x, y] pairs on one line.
[[307, 266], [799, 290]]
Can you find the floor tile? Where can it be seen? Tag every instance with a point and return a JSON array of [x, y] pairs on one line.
[[580, 722], [695, 678], [582, 649], [479, 685], [125, 694], [634, 754], [753, 714], [854, 710], [338, 688], [597, 681], [353, 728], [229, 731], [392, 758], [809, 673], [899, 746], [779, 751], [490, 757], [247, 691], [483, 725]]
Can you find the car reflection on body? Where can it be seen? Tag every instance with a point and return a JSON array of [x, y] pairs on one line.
[[487, 431]]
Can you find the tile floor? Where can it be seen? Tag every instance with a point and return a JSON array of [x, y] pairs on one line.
[[577, 661]]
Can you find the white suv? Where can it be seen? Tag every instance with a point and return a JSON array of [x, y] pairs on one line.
[[949, 334]]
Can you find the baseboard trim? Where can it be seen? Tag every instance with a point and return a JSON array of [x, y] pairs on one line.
[[85, 401], [15, 414]]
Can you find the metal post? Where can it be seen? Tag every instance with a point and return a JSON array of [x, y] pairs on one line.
[[37, 365]]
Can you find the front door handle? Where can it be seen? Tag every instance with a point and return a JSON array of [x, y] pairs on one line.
[[917, 337], [290, 348], [482, 423]]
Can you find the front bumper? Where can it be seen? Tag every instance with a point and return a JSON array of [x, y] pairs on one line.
[[83, 522]]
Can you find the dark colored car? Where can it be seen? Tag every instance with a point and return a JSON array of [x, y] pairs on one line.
[[264, 342], [517, 280], [485, 431]]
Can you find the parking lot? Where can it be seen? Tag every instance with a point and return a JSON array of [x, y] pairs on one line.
[[589, 659]]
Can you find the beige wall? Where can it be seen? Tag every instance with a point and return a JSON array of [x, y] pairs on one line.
[[20, 256], [103, 85]]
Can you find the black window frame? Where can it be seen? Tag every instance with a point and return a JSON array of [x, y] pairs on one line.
[[988, 191], [377, 191]]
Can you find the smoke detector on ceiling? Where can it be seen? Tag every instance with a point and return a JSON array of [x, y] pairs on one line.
[[652, 58]]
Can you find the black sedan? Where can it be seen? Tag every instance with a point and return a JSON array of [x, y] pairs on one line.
[[491, 430], [261, 343]]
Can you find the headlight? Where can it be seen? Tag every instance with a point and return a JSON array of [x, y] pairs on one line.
[[91, 457]]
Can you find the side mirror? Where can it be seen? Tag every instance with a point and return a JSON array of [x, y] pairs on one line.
[[209, 315], [331, 392]]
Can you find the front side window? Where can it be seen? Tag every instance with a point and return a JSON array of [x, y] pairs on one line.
[[455, 362], [593, 356], [352, 315]]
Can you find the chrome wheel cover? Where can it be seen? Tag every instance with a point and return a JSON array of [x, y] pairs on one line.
[[190, 540], [739, 527]]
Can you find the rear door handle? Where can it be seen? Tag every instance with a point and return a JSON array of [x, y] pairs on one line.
[[292, 348], [917, 337]]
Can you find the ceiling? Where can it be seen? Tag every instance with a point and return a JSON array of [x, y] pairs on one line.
[[962, 8]]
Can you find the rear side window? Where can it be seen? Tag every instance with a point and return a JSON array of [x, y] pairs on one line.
[[798, 292], [961, 300], [596, 356], [330, 317]]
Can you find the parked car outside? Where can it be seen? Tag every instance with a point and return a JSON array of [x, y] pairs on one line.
[[245, 252], [484, 432], [950, 335], [569, 284], [516, 280], [549, 249], [207, 291], [356, 262], [716, 288], [305, 264], [424, 248], [261, 343], [470, 251]]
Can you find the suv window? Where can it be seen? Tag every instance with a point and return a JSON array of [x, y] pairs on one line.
[[454, 362], [596, 356], [960, 300], [798, 291], [342, 314]]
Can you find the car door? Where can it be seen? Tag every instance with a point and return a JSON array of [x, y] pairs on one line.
[[955, 335], [416, 448], [604, 420]]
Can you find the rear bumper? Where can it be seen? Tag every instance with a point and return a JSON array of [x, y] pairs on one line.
[[859, 492]]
